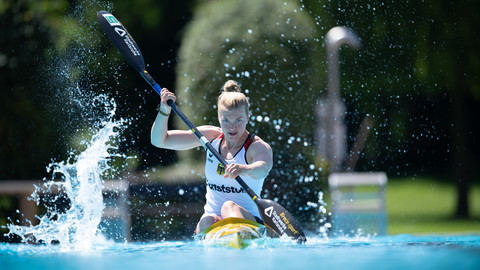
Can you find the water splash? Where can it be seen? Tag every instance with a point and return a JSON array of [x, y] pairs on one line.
[[81, 181], [73, 196]]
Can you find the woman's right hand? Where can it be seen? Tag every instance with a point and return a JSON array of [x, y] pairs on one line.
[[164, 96]]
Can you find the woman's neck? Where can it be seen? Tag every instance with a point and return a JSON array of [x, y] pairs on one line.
[[233, 144]]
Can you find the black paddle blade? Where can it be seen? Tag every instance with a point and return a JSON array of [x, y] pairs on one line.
[[122, 40], [280, 220]]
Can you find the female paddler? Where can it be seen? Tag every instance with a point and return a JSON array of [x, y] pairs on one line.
[[247, 155]]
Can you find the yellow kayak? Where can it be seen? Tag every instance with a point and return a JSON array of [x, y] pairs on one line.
[[232, 232]]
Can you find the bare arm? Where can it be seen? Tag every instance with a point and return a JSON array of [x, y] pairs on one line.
[[161, 137], [180, 139], [260, 162]]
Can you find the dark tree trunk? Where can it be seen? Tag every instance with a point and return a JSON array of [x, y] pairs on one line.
[[461, 135], [461, 158]]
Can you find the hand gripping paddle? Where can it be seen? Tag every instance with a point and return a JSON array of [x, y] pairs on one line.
[[273, 214]]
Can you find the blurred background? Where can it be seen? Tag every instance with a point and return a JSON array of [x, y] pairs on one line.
[[414, 83]]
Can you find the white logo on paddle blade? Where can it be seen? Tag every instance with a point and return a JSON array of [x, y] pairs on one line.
[[268, 211], [120, 31]]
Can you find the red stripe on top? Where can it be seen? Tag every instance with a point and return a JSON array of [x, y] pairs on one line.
[[249, 141]]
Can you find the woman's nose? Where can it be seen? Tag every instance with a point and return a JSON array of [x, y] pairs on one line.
[[231, 125]]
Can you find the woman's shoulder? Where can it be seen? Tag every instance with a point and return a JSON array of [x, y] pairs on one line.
[[210, 132], [259, 143], [259, 150], [255, 138]]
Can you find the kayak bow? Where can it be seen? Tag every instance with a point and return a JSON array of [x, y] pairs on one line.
[[232, 232]]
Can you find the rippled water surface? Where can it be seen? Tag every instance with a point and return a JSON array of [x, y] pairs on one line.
[[391, 252]]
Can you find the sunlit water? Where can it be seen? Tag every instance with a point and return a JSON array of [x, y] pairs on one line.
[[392, 252]]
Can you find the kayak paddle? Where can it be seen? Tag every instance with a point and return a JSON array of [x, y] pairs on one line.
[[273, 214]]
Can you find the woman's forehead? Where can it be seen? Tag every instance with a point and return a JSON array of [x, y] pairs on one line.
[[232, 113]]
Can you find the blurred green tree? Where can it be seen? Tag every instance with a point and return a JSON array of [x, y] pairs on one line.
[[448, 61], [271, 48], [24, 124]]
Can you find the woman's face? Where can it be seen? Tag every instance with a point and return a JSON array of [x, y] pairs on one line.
[[233, 123]]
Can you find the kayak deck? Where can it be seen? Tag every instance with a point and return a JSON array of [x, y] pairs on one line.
[[232, 232]]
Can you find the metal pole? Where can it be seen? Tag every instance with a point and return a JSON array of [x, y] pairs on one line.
[[336, 141], [335, 38]]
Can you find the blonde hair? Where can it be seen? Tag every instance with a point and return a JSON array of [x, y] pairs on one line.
[[232, 98]]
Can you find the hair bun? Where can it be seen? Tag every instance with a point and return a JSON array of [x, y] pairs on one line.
[[231, 86]]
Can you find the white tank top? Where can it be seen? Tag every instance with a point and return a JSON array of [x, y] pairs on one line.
[[220, 189]]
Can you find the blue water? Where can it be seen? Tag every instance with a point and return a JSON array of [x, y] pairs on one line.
[[390, 252]]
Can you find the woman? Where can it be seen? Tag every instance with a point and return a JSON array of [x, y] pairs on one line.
[[246, 154]]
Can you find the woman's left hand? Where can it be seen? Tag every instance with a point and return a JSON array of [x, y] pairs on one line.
[[233, 170]]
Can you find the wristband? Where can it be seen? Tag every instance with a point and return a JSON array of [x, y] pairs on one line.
[[160, 110]]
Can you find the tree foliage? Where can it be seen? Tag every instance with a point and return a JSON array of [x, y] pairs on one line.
[[24, 123], [270, 48]]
